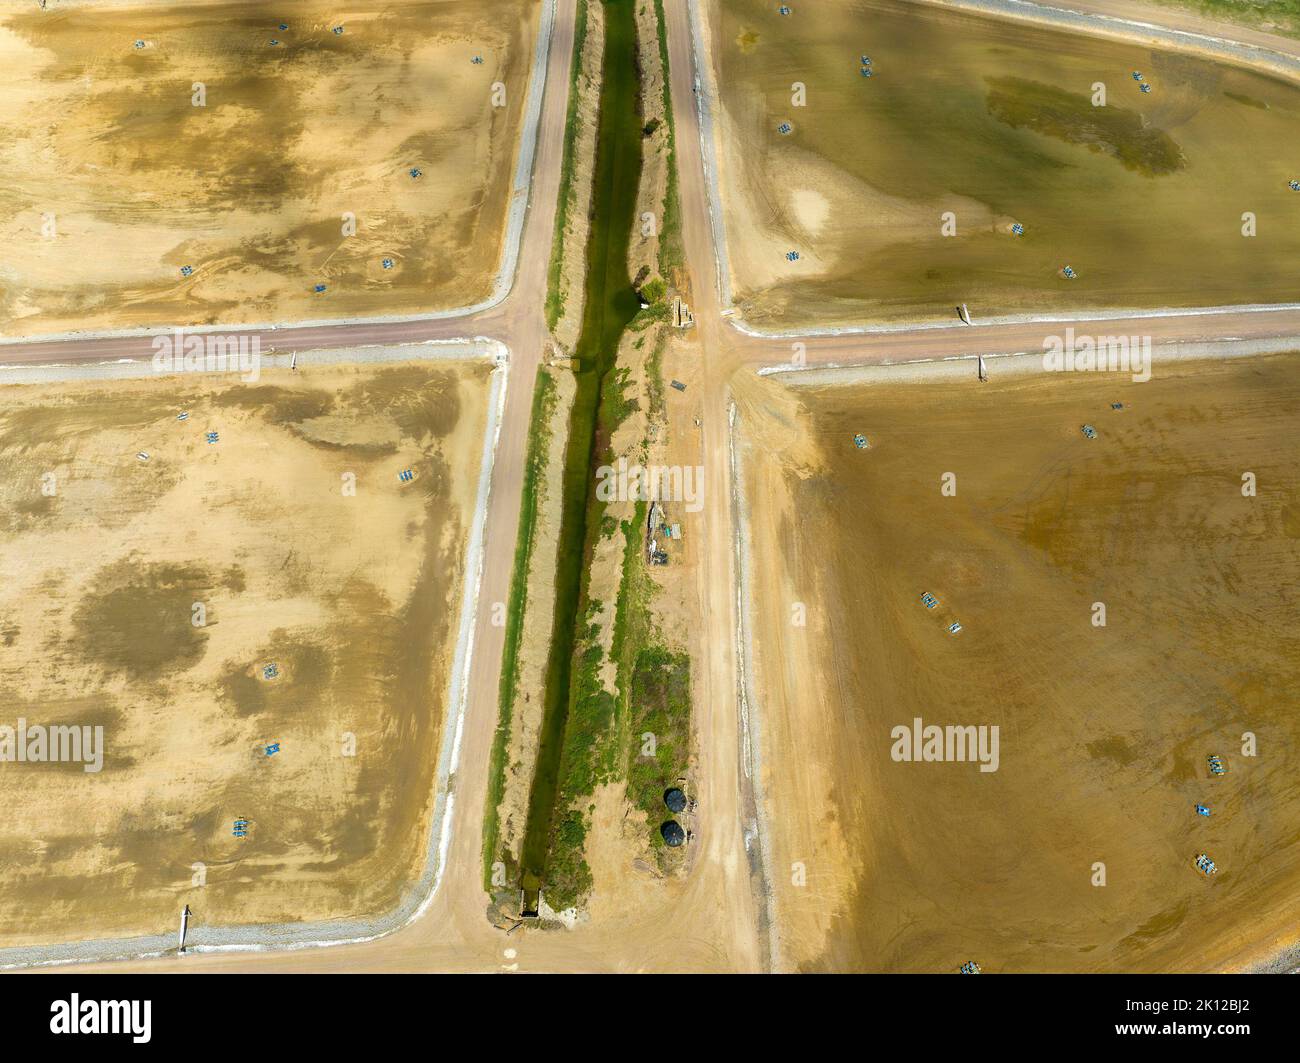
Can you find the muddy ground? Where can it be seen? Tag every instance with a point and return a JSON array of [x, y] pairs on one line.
[[1104, 730], [899, 191]]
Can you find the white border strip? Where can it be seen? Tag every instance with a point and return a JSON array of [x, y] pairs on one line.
[[750, 722], [705, 95], [1009, 363], [1095, 22], [1022, 319]]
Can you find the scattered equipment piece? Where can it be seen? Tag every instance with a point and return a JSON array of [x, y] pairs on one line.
[[783, 9], [274, 42], [785, 128], [861, 442], [677, 384], [1068, 273], [792, 256], [930, 600], [183, 416], [1201, 810], [338, 31], [1137, 76], [970, 967], [318, 288], [866, 72], [1293, 185], [1116, 405], [213, 437], [1216, 765], [143, 455], [406, 476], [270, 671], [866, 60], [273, 749], [139, 44], [241, 828], [283, 26], [415, 173], [477, 60], [387, 263], [1018, 229], [1205, 864], [1145, 88], [954, 627], [186, 270], [1089, 432]]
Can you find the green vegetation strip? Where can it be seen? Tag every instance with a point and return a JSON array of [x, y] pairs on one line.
[[672, 255], [555, 297], [661, 731], [1282, 16], [544, 399], [610, 304]]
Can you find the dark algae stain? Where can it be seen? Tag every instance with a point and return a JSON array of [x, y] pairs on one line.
[[1071, 117], [136, 619]]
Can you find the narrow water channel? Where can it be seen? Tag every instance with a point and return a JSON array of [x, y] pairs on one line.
[[611, 302]]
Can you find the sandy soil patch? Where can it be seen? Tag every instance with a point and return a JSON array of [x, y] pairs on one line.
[[127, 205], [150, 596]]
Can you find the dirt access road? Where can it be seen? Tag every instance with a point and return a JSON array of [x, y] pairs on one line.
[[705, 932]]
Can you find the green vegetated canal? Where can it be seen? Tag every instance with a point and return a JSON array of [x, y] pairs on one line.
[[611, 303]]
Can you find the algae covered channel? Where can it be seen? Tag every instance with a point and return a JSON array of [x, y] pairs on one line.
[[611, 303]]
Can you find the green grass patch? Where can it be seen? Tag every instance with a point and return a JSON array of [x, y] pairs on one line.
[[660, 694], [654, 379], [654, 290], [1282, 16]]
